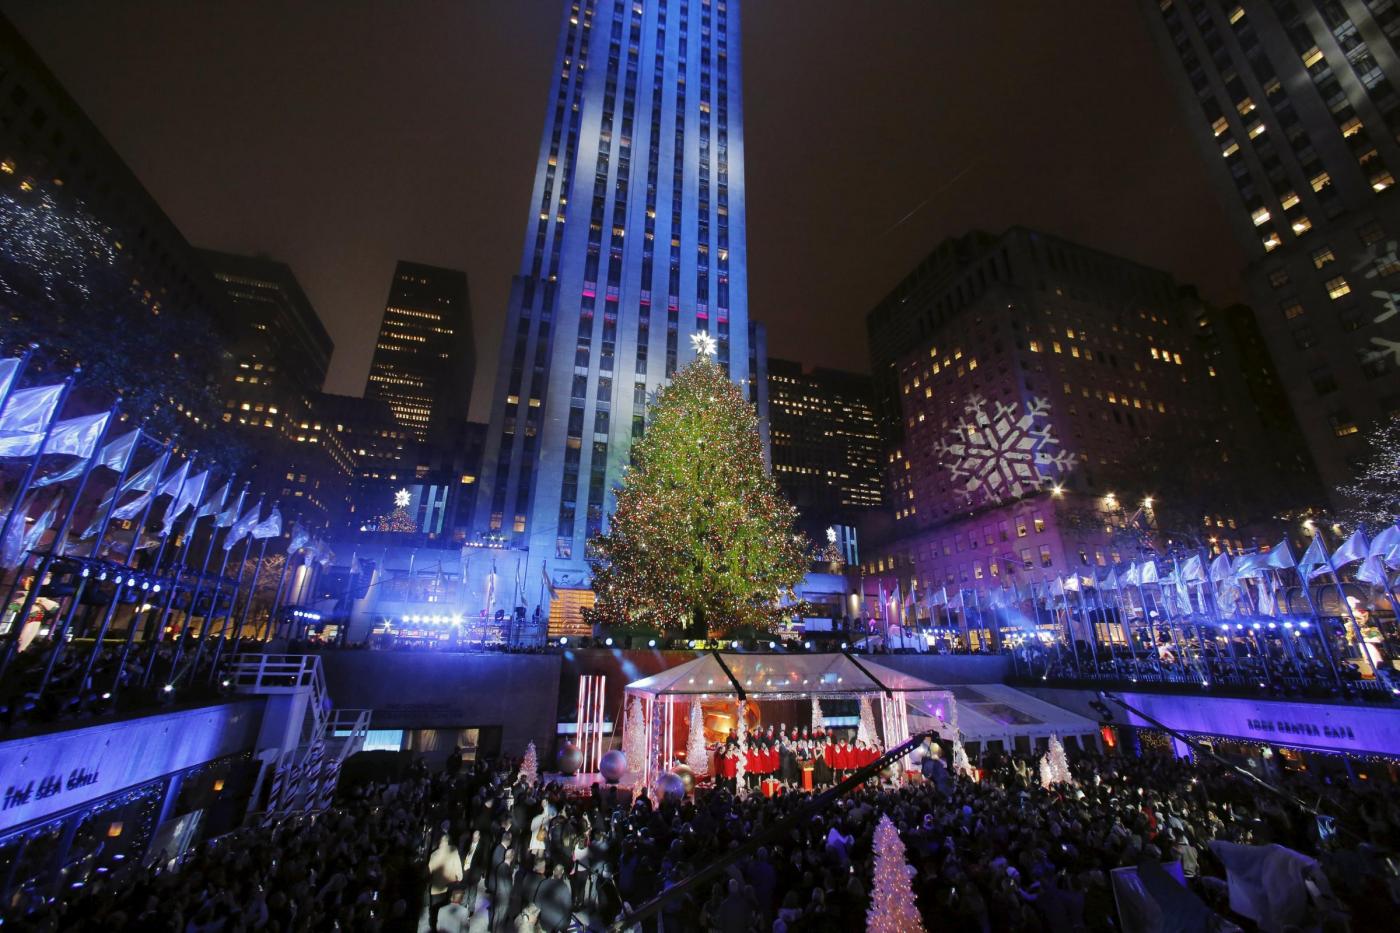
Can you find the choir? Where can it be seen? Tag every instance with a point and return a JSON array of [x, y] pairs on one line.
[[775, 760]]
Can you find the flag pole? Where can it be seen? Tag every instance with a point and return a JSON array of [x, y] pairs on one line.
[[233, 601], [55, 547], [185, 547], [122, 568], [272, 625], [206, 629], [60, 636], [17, 501], [20, 367], [1321, 626], [253, 587], [139, 613], [1365, 660]]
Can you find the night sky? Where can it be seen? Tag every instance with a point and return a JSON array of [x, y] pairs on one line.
[[340, 136]]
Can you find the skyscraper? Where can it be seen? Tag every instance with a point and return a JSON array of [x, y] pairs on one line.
[[634, 242], [425, 358], [826, 451], [1294, 106]]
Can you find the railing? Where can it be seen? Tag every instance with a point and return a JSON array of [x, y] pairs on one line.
[[283, 673], [352, 721]]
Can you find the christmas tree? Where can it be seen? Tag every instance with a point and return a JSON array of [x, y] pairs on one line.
[[529, 765], [701, 537], [960, 762], [818, 720], [696, 755], [865, 732], [892, 908], [1054, 768], [1373, 499], [634, 736], [399, 520]]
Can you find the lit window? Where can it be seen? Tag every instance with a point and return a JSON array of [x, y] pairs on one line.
[[1272, 242], [1320, 180], [1351, 127], [1230, 149], [1322, 257], [1236, 15], [1382, 181], [1289, 200], [1256, 130], [1301, 225], [1220, 125], [1261, 216], [1338, 288], [1245, 106], [1293, 311], [1312, 56]]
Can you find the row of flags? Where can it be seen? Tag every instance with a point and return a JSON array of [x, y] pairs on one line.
[[1242, 582], [32, 428]]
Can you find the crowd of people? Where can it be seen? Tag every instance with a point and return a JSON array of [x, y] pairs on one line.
[[477, 847]]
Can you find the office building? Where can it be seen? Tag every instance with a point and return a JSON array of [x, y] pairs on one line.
[[1294, 107], [63, 185], [825, 448], [425, 358], [278, 356], [1059, 411], [634, 242]]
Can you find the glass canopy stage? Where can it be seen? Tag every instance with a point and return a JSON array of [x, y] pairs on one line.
[[718, 678]]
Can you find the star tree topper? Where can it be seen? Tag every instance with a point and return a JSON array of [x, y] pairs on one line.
[[703, 344], [401, 499]]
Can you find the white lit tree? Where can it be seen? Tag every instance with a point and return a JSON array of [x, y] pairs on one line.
[[634, 736], [1054, 768], [865, 732], [696, 755], [530, 765], [892, 907], [960, 760]]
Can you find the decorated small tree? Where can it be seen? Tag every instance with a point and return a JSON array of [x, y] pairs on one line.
[[634, 736], [818, 720], [960, 761], [701, 538], [530, 765], [892, 908], [865, 732], [696, 755], [1054, 768], [1373, 499]]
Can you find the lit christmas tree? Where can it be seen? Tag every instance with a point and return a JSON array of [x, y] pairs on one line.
[[634, 736], [818, 720], [696, 755], [892, 908], [399, 521], [529, 765], [960, 761], [1054, 768], [865, 732], [1373, 500], [701, 537]]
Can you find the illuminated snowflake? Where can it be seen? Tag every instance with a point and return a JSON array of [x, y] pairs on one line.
[[1004, 453], [1379, 262]]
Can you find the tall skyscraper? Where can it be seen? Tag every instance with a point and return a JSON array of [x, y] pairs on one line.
[[1294, 106], [425, 358], [826, 451], [635, 241]]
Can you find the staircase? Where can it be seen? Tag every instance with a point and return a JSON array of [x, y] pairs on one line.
[[303, 741]]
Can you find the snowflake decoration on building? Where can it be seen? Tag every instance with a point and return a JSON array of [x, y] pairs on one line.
[[1005, 453], [703, 344], [1378, 263]]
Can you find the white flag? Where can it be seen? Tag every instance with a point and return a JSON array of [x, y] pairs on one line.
[[1281, 557], [1314, 560], [269, 527], [1133, 577], [1149, 572], [29, 411], [114, 456], [242, 526], [1220, 569], [12, 547], [1372, 571], [1251, 565], [1386, 546], [1352, 550], [188, 497], [77, 437], [213, 504], [1192, 571], [175, 481], [299, 538], [9, 369]]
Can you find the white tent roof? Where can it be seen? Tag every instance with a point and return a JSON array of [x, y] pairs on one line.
[[988, 712], [781, 676]]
